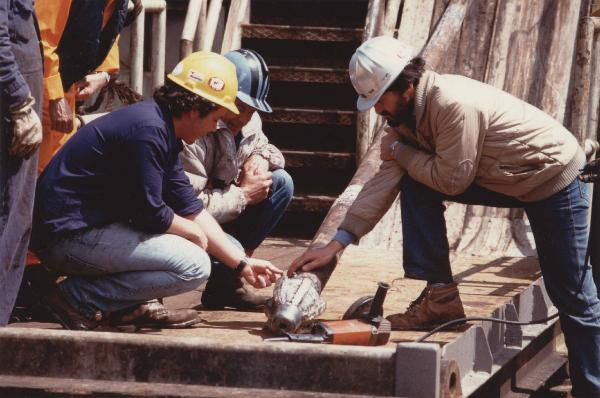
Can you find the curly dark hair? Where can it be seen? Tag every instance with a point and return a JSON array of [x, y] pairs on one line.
[[411, 74], [177, 100]]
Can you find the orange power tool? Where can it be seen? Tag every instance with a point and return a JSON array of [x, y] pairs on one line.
[[362, 324]]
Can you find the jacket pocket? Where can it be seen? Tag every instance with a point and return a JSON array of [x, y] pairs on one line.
[[516, 170]]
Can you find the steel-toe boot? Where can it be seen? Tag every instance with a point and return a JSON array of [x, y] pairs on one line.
[[435, 305]]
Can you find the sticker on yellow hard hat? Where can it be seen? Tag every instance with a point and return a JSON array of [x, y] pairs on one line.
[[209, 75], [197, 76], [216, 83]]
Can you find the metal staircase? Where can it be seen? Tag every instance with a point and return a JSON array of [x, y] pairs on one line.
[[307, 45]]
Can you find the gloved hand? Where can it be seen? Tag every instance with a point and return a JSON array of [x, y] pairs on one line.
[[61, 116], [26, 129], [90, 85]]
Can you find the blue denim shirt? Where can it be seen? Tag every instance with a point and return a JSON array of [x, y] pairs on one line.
[[17, 31], [123, 167]]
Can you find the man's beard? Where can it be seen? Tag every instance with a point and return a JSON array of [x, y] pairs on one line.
[[406, 117]]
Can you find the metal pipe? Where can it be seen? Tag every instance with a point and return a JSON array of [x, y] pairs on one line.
[[190, 26], [232, 38], [159, 39], [154, 5], [201, 29], [136, 78], [212, 20]]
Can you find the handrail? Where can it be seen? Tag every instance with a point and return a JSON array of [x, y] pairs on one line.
[[232, 38], [190, 27], [212, 21], [159, 36]]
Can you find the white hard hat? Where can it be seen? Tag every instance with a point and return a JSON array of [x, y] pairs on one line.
[[375, 65]]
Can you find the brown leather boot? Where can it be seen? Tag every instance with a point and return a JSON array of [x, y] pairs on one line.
[[225, 289], [153, 314], [435, 305], [56, 305]]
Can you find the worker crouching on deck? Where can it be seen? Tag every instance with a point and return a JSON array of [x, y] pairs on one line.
[[116, 213], [452, 138], [240, 178]]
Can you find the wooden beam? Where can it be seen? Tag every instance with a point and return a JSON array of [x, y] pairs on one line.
[[582, 79], [416, 22], [497, 59], [392, 12], [364, 122], [445, 33], [594, 109]]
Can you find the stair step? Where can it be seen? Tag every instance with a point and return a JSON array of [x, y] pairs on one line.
[[327, 160], [310, 116], [309, 75], [31, 386], [339, 13], [287, 32], [311, 202], [310, 54]]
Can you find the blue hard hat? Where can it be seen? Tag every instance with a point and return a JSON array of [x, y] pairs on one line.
[[253, 78]]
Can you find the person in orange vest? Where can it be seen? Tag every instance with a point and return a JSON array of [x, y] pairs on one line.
[[80, 44]]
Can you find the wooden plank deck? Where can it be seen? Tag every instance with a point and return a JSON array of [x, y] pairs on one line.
[[485, 284]]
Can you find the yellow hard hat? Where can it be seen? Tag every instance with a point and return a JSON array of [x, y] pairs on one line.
[[209, 75]]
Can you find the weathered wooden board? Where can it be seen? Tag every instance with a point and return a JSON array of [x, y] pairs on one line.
[[485, 283]]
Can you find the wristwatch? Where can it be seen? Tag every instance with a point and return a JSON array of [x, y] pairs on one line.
[[243, 262]]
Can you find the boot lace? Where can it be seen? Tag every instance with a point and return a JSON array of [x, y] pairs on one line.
[[415, 304]]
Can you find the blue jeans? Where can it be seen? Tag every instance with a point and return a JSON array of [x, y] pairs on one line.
[[257, 221], [116, 267], [560, 229]]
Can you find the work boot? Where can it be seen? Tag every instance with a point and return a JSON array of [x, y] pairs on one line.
[[65, 314], [153, 314], [225, 289], [435, 305]]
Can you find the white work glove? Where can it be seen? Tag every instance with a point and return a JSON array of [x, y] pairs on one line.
[[90, 85], [26, 129]]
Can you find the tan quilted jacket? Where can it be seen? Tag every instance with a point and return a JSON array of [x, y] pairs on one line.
[[213, 165], [470, 132]]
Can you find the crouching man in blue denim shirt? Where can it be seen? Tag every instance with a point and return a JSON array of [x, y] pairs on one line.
[[116, 213]]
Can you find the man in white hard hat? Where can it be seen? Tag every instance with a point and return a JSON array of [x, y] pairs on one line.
[[453, 138]]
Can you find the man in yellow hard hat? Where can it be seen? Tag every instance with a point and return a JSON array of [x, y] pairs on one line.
[[117, 215]]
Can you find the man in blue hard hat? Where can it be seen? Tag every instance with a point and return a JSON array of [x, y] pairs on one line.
[[240, 178]]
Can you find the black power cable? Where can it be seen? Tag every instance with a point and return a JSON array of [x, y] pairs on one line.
[[589, 174]]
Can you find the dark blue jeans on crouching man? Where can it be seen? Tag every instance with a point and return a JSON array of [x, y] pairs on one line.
[[560, 229], [258, 220]]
